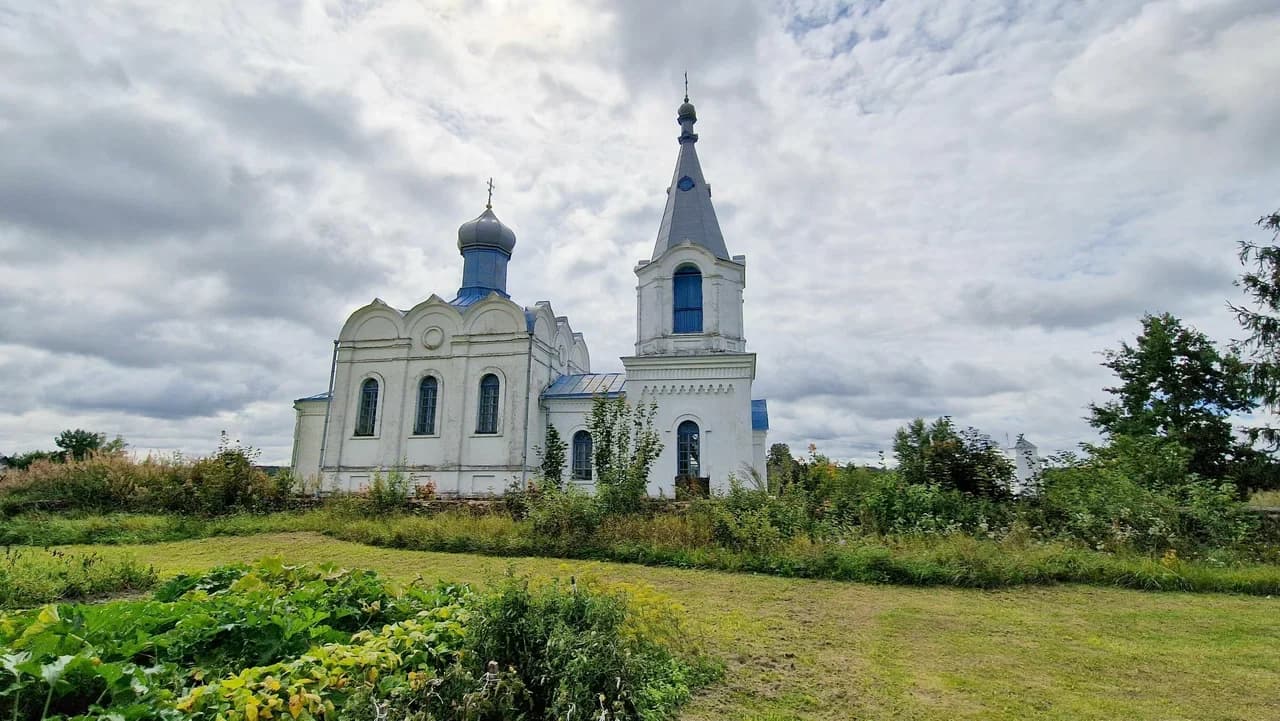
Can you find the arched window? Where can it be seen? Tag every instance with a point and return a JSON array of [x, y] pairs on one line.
[[425, 423], [581, 456], [367, 413], [688, 450], [487, 416], [688, 299]]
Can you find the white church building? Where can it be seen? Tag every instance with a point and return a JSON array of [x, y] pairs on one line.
[[459, 393]]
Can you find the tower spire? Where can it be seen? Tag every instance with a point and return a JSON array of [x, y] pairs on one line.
[[689, 216]]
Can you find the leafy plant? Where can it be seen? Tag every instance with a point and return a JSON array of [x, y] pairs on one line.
[[270, 641], [553, 457], [625, 447], [967, 460]]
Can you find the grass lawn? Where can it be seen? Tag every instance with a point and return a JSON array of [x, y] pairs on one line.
[[799, 649]]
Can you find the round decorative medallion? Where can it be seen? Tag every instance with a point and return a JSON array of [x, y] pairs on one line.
[[685, 183], [432, 338]]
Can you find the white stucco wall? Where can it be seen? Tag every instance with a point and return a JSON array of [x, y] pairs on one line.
[[714, 391], [723, 282], [307, 434], [458, 347], [569, 415]]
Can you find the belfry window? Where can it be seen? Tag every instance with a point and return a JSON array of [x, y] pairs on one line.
[[581, 456], [688, 450], [425, 423], [688, 299], [487, 415], [367, 413]]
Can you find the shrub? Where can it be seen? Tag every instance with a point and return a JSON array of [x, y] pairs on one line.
[[750, 519], [937, 454], [389, 492], [569, 516], [226, 482], [891, 506], [29, 576], [1104, 509], [624, 448], [277, 641]]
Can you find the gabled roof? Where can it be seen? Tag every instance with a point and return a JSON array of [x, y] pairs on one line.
[[587, 385], [760, 415], [689, 216], [317, 397]]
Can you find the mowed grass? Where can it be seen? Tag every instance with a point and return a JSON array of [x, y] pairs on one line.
[[799, 649]]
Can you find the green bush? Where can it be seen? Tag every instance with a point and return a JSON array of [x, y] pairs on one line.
[[569, 517], [1137, 494], [890, 506], [277, 641], [226, 482], [750, 519], [29, 576]]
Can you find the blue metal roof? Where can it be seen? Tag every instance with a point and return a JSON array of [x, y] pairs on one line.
[[317, 397], [760, 415], [587, 385]]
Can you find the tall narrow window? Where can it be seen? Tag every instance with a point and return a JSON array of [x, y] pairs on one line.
[[688, 299], [425, 423], [581, 456], [688, 450], [487, 417], [367, 413]]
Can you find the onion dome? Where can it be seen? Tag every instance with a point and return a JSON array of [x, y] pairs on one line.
[[486, 231], [686, 112]]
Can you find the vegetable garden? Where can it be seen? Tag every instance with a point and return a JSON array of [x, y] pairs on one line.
[[274, 641]]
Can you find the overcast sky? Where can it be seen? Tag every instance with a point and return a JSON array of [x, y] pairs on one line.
[[944, 211]]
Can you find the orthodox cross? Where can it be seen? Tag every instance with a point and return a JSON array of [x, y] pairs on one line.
[[686, 86], [489, 202]]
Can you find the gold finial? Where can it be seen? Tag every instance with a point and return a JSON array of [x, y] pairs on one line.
[[489, 203], [686, 86]]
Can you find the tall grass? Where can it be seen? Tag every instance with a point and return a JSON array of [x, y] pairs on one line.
[[1265, 499], [684, 540], [33, 576]]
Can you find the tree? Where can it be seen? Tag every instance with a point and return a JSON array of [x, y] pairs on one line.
[[553, 457], [78, 444], [23, 461], [1176, 384], [965, 460], [625, 446], [1261, 280], [781, 467]]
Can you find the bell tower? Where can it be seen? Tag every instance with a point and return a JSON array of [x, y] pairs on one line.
[[691, 359], [689, 298]]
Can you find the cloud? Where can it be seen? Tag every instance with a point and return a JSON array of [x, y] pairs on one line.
[[1153, 285], [946, 209]]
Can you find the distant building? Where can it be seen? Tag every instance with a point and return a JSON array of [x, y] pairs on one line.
[[1027, 464], [460, 392]]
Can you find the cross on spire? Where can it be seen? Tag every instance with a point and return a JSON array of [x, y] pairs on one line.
[[489, 203], [686, 86]]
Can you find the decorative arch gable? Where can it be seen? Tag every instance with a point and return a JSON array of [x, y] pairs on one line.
[[581, 357], [493, 315], [376, 321], [433, 323], [544, 322]]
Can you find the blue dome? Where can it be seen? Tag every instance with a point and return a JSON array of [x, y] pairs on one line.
[[486, 231]]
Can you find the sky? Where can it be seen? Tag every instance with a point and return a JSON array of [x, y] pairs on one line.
[[945, 208]]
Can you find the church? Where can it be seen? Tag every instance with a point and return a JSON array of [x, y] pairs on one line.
[[459, 393]]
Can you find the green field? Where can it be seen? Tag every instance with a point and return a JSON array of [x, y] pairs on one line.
[[798, 649]]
